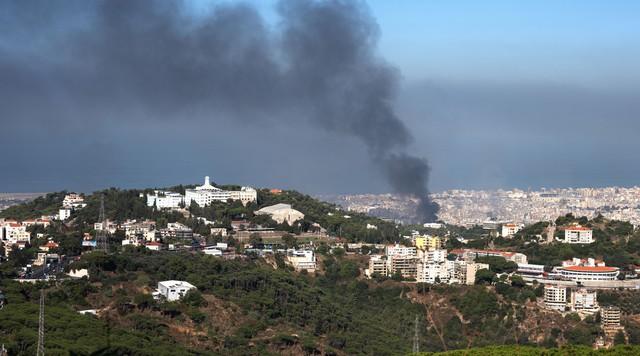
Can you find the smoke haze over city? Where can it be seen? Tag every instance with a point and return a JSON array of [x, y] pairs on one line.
[[117, 95]]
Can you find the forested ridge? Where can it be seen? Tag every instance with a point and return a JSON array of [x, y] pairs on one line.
[[247, 307]]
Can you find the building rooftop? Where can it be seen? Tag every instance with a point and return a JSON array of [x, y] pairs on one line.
[[593, 269]]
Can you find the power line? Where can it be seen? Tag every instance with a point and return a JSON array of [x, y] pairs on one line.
[[40, 350]]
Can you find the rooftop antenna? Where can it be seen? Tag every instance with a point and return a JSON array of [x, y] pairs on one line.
[[40, 350], [416, 337], [102, 243]]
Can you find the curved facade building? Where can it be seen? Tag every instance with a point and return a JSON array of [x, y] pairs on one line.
[[589, 273]]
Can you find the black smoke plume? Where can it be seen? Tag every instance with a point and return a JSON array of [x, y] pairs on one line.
[[114, 60]]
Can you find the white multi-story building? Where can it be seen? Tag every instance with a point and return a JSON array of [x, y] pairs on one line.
[[508, 230], [64, 214], [578, 235], [245, 195], [433, 256], [434, 272], [73, 201], [399, 250], [555, 297], [206, 194], [302, 260], [173, 290], [584, 301], [165, 200], [16, 233], [610, 317], [377, 265], [530, 269]]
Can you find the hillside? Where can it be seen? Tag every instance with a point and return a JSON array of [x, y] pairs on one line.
[[250, 305], [246, 307], [121, 205]]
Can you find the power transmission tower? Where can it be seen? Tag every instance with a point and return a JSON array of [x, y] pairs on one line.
[[416, 337], [40, 350], [102, 242]]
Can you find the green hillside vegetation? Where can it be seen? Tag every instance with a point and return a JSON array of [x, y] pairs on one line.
[[46, 205], [247, 307], [121, 205], [68, 332], [535, 351]]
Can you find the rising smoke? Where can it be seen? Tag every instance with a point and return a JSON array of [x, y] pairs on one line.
[[110, 60]]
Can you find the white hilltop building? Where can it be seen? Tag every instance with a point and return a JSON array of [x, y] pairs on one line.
[[281, 213], [165, 200], [578, 235], [206, 194]]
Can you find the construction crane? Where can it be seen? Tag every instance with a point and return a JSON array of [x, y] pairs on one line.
[[40, 350]]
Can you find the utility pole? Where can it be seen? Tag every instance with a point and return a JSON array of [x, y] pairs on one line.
[[416, 337], [102, 243], [40, 350]]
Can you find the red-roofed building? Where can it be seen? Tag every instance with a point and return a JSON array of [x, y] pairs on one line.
[[153, 246], [589, 273], [50, 245]]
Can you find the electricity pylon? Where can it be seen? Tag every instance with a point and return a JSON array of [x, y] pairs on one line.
[[416, 337], [40, 350], [102, 242]]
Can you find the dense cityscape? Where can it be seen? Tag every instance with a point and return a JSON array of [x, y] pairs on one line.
[[471, 207]]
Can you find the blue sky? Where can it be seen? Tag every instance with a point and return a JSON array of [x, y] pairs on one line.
[[496, 94], [586, 43]]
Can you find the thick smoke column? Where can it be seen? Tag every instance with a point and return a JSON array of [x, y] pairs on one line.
[[113, 60]]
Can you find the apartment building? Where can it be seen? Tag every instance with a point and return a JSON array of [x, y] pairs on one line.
[[302, 260], [377, 266], [610, 317], [555, 297], [578, 235], [465, 271], [508, 230], [434, 272], [428, 242], [584, 301], [15, 233]]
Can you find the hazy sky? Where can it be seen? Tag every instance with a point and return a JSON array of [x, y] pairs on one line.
[[495, 94]]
